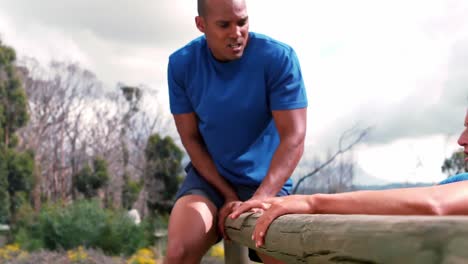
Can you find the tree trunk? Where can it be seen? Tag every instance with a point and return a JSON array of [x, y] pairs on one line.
[[36, 194]]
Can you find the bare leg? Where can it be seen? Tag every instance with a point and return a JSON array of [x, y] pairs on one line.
[[192, 230], [269, 260]]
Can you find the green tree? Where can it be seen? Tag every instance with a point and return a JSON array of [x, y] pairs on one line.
[[130, 191], [15, 168], [133, 97], [4, 196], [20, 177], [455, 164], [13, 101], [89, 180], [162, 172]]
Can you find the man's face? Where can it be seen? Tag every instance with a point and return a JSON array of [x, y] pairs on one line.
[[463, 140], [226, 27]]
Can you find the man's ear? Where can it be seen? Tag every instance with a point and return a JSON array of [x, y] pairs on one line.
[[200, 23]]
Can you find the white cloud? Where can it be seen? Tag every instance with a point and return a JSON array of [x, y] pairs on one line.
[[407, 160], [401, 66], [41, 42]]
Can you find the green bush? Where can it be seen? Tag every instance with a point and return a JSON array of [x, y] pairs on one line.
[[4, 201], [4, 195], [130, 191], [83, 223], [73, 226], [121, 228], [88, 181], [29, 239], [26, 229]]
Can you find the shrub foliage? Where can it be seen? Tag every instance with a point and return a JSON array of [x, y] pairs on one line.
[[83, 223]]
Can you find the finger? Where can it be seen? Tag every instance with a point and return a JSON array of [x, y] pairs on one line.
[[222, 230], [221, 219], [262, 225], [244, 207], [235, 205], [225, 211], [257, 210]]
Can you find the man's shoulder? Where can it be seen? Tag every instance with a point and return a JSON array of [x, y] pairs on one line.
[[269, 44], [186, 52]]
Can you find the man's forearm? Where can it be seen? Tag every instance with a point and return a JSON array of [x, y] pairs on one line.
[[435, 200], [291, 125], [283, 163]]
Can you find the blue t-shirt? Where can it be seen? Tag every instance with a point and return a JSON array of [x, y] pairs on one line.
[[234, 101], [455, 178]]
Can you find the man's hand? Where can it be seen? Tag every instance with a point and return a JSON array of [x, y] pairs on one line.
[[229, 206], [232, 205], [273, 208], [254, 204]]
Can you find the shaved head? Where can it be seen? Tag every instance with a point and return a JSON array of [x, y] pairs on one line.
[[202, 6]]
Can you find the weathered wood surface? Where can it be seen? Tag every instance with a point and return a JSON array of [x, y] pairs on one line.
[[235, 253], [359, 238]]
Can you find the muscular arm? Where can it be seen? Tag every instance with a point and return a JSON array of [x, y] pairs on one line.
[[448, 199], [291, 126], [187, 126]]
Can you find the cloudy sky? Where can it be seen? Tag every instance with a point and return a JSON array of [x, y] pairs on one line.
[[400, 67]]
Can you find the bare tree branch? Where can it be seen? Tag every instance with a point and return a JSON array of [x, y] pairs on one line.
[[341, 149]]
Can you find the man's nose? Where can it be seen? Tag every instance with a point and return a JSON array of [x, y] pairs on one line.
[[463, 140], [235, 31]]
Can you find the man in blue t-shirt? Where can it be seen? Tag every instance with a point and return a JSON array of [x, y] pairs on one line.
[[239, 105]]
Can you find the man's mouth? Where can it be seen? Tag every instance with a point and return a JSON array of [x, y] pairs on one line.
[[234, 45]]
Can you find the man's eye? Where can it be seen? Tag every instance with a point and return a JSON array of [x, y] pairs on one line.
[[223, 25], [243, 22]]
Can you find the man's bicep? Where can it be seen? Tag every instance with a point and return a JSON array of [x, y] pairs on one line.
[[291, 122], [187, 125]]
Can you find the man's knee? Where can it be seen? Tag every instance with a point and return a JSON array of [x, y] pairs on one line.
[[176, 253], [180, 253], [192, 230], [193, 214]]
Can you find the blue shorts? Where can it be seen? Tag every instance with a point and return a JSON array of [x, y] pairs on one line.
[[194, 183]]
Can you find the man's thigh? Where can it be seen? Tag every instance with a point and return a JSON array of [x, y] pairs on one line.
[[195, 184], [192, 225], [195, 189]]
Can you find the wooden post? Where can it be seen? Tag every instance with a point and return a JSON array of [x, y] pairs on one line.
[[4, 233], [359, 238], [161, 236], [234, 253]]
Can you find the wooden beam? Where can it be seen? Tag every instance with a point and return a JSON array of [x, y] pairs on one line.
[[359, 238]]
